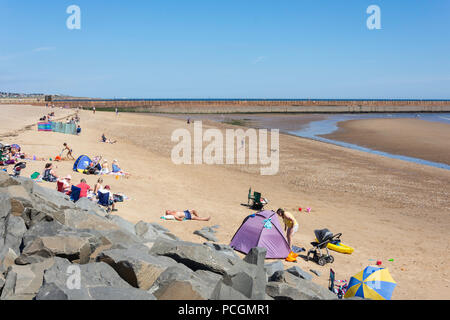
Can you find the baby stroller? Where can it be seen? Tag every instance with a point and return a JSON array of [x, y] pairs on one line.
[[324, 237], [18, 168]]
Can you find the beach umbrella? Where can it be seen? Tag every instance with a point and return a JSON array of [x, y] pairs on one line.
[[372, 283]]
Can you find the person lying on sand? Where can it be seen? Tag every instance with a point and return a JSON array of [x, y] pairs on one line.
[[105, 140], [186, 215]]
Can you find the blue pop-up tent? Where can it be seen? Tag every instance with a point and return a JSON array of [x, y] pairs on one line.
[[82, 163]]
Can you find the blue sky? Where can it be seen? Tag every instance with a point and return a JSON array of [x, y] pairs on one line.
[[227, 49]]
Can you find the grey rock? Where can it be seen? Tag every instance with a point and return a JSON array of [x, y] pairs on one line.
[[92, 275], [6, 180], [150, 232], [195, 256], [256, 256], [12, 230], [24, 282], [2, 281], [135, 266], [284, 285], [122, 223], [119, 294], [224, 292], [298, 272], [91, 207], [317, 273], [51, 291], [271, 268], [180, 283], [79, 219], [223, 249], [207, 233]]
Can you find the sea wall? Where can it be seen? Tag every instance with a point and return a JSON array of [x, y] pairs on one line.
[[257, 106]]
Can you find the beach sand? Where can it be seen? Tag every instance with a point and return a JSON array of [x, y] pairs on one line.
[[385, 208], [409, 137]]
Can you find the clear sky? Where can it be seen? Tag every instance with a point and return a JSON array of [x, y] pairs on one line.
[[227, 49]]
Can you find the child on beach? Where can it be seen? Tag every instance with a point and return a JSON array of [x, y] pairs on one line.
[[290, 224], [69, 152]]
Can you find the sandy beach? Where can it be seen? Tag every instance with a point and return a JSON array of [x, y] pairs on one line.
[[410, 137], [385, 208]]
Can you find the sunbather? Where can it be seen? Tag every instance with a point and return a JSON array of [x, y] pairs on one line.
[[186, 215], [105, 140]]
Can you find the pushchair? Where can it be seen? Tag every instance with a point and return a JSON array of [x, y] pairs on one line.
[[323, 237], [18, 168]]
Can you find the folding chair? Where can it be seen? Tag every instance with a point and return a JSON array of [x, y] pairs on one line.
[[60, 186], [75, 194], [103, 200]]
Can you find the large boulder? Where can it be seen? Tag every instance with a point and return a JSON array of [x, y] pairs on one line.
[[19, 197], [122, 223], [6, 180], [224, 292], [90, 206], [273, 267], [149, 232], [82, 282], [195, 256], [208, 233], [51, 237], [296, 271], [79, 219], [223, 249], [286, 286], [24, 282], [135, 266], [180, 283], [12, 229]]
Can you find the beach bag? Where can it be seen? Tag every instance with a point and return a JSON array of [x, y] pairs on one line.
[[118, 198]]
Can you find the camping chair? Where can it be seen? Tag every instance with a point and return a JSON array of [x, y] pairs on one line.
[[60, 186], [257, 204], [75, 194], [103, 200], [339, 289]]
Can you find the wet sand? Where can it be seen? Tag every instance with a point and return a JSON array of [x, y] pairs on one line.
[[385, 208], [409, 137]]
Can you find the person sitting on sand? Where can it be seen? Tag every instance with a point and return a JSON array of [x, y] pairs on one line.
[[49, 175], [290, 224], [98, 186], [105, 167], [67, 184], [69, 152], [186, 215], [84, 188], [111, 202], [116, 169]]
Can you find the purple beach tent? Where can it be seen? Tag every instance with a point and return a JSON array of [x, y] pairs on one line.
[[262, 229]]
